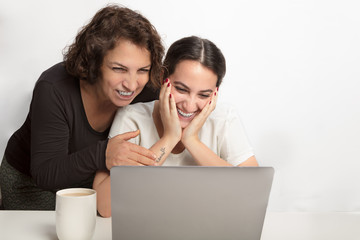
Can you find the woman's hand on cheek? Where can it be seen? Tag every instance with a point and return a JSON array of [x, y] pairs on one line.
[[190, 133], [168, 112]]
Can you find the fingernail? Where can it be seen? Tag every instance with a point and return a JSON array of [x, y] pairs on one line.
[[217, 89], [209, 102], [168, 85], [215, 93], [170, 95], [167, 80]]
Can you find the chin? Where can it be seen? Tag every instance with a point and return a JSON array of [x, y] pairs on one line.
[[184, 124], [122, 103]]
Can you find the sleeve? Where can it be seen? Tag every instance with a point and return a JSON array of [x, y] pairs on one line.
[[234, 144], [52, 166], [125, 121]]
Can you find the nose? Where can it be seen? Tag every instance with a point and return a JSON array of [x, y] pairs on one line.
[[191, 104], [131, 82]]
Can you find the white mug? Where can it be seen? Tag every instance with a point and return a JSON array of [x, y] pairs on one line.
[[75, 213]]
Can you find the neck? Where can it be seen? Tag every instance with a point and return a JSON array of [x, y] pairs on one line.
[[99, 111]]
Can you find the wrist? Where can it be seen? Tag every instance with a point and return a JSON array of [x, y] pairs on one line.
[[170, 141], [190, 141]]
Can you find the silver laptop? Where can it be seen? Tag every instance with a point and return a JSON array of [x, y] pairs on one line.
[[190, 202]]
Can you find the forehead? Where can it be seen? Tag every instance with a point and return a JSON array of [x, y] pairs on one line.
[[194, 75], [129, 54]]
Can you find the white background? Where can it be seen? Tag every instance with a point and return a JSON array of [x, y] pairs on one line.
[[293, 71]]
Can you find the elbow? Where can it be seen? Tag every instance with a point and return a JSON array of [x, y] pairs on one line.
[[250, 162], [48, 180], [103, 205], [36, 176], [101, 185], [41, 180], [105, 213]]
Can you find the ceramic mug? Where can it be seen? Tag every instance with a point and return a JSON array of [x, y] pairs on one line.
[[75, 213]]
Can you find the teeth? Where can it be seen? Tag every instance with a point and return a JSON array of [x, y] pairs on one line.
[[125, 93], [185, 114]]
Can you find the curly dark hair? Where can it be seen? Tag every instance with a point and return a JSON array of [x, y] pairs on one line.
[[198, 49], [83, 58]]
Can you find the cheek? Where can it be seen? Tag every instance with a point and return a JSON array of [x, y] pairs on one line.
[[177, 96], [202, 103], [143, 80], [107, 86], [110, 80]]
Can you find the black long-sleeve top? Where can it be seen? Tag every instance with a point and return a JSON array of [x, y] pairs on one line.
[[56, 144]]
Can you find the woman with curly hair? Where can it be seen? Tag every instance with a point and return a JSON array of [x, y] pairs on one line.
[[115, 60]]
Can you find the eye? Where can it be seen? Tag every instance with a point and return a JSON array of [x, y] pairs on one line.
[[181, 90], [144, 70], [119, 69], [204, 95]]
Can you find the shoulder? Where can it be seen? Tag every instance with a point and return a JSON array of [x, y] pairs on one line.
[[57, 77], [224, 112], [139, 108], [136, 111], [57, 89], [58, 83], [132, 117]]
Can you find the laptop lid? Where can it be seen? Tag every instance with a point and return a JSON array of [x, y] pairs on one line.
[[189, 202]]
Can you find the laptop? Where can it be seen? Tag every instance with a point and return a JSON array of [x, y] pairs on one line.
[[189, 202]]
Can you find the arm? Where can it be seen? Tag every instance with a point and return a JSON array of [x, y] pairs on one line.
[[206, 157], [250, 162], [170, 122], [203, 155], [53, 163], [199, 151], [64, 152], [103, 193]]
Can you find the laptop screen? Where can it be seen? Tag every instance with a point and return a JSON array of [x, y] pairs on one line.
[[189, 202]]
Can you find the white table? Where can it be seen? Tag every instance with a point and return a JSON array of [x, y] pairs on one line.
[[311, 226], [38, 225]]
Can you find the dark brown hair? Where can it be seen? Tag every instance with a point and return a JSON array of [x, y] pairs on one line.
[[83, 58], [198, 49]]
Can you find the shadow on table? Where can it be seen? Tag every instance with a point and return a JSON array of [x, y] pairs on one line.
[[49, 230]]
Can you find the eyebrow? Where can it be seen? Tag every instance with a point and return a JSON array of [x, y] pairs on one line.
[[119, 64], [186, 87]]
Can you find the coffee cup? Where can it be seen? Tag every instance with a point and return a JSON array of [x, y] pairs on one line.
[[75, 213]]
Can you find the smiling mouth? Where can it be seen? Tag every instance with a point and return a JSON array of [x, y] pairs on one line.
[[185, 115], [125, 94]]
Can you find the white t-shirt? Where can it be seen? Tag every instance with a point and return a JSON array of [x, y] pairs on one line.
[[222, 133]]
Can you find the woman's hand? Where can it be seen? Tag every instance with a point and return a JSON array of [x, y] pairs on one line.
[[121, 152], [190, 133], [168, 113]]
